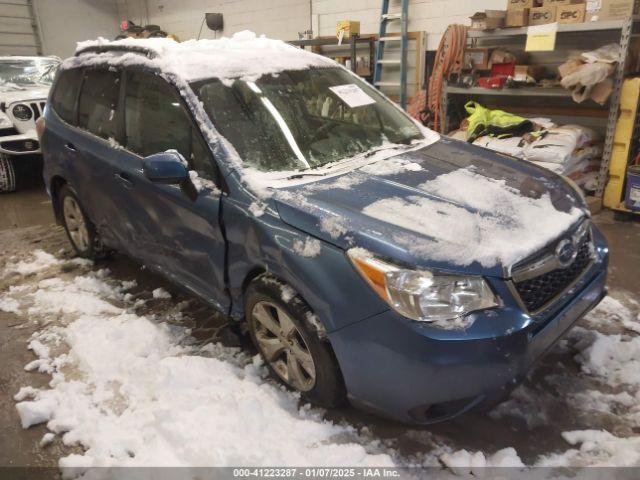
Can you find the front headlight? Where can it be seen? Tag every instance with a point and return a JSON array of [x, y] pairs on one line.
[[22, 112], [420, 294], [5, 122]]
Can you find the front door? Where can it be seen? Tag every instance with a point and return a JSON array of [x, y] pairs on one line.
[[178, 236]]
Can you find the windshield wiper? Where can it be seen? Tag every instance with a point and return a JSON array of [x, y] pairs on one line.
[[385, 147], [304, 174]]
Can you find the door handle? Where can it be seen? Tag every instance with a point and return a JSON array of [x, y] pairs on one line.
[[125, 182], [70, 146]]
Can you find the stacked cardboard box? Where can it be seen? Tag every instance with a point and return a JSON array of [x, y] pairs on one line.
[[518, 12], [539, 12]]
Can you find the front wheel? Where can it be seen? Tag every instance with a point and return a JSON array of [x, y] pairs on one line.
[[7, 174], [80, 230], [290, 345]]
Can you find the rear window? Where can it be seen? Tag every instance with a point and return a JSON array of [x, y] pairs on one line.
[[98, 105], [63, 100]]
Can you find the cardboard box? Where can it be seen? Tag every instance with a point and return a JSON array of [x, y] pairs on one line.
[[477, 58], [349, 27], [521, 73], [571, 13], [520, 4], [555, 3], [517, 18], [542, 15], [601, 10], [488, 20]]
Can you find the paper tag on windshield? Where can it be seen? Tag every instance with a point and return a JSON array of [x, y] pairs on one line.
[[352, 95]]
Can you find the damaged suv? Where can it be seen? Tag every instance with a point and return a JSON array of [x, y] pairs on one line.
[[24, 87], [368, 257]]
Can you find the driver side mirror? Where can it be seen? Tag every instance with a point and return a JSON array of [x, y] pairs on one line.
[[166, 167], [169, 168]]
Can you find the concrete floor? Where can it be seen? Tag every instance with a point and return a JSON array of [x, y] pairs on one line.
[[26, 222]]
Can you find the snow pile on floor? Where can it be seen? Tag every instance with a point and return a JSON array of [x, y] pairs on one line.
[[9, 305], [137, 390], [613, 357], [501, 227], [133, 391], [41, 261], [464, 463], [612, 360], [598, 448]]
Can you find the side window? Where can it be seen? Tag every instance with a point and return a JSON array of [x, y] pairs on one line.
[[64, 96], [156, 121], [98, 106]]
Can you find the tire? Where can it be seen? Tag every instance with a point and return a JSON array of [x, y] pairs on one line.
[[290, 340], [80, 231], [7, 174]]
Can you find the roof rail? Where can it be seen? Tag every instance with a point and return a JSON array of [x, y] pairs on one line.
[[118, 48]]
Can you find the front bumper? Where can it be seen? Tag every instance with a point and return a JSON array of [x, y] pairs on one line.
[[21, 144], [415, 373]]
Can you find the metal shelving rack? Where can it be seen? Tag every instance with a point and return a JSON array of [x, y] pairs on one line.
[[352, 43], [627, 28]]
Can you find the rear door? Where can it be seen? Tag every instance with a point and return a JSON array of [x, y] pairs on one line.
[[104, 191], [60, 133], [178, 236]]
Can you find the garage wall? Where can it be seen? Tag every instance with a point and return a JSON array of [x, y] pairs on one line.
[[430, 16], [284, 18], [17, 33], [275, 18], [63, 23]]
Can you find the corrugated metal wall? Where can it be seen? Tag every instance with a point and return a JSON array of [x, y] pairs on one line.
[[19, 31]]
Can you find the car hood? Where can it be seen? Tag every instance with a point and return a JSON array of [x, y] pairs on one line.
[[10, 94], [449, 206]]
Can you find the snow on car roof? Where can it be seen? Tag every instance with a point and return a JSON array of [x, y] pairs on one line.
[[245, 55]]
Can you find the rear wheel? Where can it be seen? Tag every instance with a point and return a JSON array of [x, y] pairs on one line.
[[290, 345], [80, 230], [7, 174]]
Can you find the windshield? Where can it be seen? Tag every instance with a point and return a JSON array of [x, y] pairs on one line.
[[30, 71], [297, 120]]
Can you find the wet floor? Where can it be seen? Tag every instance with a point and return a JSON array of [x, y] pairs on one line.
[[26, 222], [26, 208]]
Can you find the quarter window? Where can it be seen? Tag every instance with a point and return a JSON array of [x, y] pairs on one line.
[[156, 121], [98, 106], [64, 96]]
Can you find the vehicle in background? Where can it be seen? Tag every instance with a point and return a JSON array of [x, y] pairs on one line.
[[368, 257], [24, 88]]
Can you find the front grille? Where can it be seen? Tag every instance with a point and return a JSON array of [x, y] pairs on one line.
[[38, 109], [538, 291]]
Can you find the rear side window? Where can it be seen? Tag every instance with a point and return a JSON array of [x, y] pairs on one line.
[[156, 121], [98, 106], [64, 96]]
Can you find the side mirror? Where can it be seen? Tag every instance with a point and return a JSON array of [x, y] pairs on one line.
[[167, 167]]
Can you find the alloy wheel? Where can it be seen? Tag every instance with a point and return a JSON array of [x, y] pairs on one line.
[[76, 225], [283, 347]]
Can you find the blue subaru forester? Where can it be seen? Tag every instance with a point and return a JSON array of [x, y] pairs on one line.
[[369, 258]]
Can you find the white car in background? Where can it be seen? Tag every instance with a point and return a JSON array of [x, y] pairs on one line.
[[24, 88]]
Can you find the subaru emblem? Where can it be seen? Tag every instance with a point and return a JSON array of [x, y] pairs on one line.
[[566, 252]]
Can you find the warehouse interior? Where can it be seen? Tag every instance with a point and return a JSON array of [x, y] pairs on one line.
[[505, 160]]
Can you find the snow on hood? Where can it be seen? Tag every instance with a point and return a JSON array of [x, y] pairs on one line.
[[245, 55], [472, 218], [448, 204], [10, 92]]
